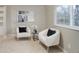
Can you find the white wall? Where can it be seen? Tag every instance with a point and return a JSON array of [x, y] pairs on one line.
[[39, 16]]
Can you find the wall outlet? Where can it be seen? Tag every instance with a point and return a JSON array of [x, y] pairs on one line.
[[69, 46]]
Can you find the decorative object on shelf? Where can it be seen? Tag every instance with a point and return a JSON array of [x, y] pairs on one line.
[[25, 16]]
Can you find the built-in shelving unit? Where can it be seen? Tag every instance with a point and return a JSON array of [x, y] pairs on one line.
[[2, 20]]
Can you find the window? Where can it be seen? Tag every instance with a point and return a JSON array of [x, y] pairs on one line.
[[63, 15], [67, 16], [76, 15]]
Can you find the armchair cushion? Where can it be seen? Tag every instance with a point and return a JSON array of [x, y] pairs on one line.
[[50, 32], [22, 29]]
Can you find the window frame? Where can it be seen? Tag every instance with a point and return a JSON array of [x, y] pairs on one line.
[[71, 26]]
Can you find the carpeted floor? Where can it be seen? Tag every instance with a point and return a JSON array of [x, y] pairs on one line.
[[11, 45]]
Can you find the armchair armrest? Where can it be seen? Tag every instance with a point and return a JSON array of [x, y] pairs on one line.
[[54, 38], [43, 32], [28, 30]]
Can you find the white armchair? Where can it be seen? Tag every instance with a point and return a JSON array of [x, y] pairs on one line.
[[49, 40], [23, 34]]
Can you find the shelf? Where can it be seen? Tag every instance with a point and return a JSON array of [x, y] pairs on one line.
[[2, 8], [1, 11], [1, 15], [1, 20]]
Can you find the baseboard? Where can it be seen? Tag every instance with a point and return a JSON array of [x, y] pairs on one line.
[[13, 35], [63, 49], [2, 37]]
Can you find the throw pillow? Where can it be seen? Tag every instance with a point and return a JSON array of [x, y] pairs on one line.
[[22, 29], [50, 32]]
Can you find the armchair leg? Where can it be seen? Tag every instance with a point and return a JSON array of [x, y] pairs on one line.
[[38, 41], [48, 49]]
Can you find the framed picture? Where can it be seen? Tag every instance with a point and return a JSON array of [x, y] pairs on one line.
[[22, 17], [25, 16]]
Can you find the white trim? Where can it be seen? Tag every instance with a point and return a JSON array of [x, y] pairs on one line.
[[12, 35], [69, 27], [55, 17], [71, 15]]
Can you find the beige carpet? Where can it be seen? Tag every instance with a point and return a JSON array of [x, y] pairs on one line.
[[11, 45]]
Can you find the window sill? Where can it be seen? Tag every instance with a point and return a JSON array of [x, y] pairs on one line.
[[68, 27]]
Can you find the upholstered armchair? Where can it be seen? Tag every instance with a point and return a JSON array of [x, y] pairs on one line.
[[23, 31], [49, 40]]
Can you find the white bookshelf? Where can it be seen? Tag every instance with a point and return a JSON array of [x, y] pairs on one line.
[[2, 20]]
